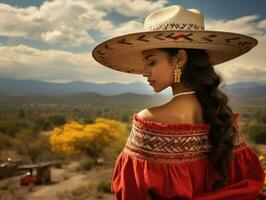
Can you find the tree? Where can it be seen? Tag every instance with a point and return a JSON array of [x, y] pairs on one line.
[[255, 133], [42, 123], [91, 139], [57, 120], [126, 117], [22, 113], [29, 143], [5, 141], [13, 126], [263, 117]]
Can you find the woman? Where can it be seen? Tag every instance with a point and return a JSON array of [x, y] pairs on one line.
[[191, 147]]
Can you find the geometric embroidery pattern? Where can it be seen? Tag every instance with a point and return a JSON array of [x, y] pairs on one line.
[[176, 26], [153, 143]]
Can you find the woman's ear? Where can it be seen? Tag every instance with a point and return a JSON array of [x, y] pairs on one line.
[[181, 58]]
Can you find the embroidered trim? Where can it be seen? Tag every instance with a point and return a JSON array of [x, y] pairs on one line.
[[176, 26], [177, 160], [160, 141], [167, 145]]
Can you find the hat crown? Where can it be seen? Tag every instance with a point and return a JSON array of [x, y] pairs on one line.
[[174, 18]]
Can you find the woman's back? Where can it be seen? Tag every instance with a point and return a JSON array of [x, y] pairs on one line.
[[180, 110], [164, 160]]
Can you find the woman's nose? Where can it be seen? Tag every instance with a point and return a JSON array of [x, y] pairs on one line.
[[145, 72]]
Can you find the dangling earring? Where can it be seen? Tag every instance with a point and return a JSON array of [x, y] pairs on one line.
[[177, 74]]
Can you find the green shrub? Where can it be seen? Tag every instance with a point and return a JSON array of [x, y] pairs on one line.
[[42, 123], [104, 186], [31, 144], [12, 126], [57, 120], [86, 164], [255, 133], [5, 141]]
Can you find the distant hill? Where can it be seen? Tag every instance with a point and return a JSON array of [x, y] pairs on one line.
[[126, 99], [90, 99], [33, 87], [18, 92], [244, 85], [12, 86]]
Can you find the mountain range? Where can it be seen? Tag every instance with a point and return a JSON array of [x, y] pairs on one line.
[[16, 92], [31, 87], [13, 86]]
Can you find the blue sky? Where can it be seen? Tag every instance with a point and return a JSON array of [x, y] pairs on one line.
[[52, 40], [225, 9]]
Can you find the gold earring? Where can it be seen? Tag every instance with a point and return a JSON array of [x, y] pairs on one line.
[[177, 73]]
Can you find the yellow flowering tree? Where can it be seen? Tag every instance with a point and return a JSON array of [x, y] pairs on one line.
[[91, 139]]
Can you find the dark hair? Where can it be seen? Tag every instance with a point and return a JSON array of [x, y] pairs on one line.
[[200, 75]]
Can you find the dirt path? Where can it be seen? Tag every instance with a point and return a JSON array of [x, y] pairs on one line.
[[51, 191], [65, 182], [75, 181]]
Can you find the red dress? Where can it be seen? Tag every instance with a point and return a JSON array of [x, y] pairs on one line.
[[169, 161]]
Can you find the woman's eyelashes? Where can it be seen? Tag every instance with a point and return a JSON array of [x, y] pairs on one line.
[[152, 63]]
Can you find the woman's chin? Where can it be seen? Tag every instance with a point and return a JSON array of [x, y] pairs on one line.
[[158, 89], [155, 89]]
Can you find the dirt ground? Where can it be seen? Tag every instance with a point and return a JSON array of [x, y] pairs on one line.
[[66, 182]]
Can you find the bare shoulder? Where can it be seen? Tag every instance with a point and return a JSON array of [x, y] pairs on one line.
[[159, 114], [148, 113], [178, 110]]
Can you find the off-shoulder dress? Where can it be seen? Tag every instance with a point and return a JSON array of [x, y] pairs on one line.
[[169, 161]]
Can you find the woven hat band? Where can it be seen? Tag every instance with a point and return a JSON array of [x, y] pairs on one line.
[[176, 27]]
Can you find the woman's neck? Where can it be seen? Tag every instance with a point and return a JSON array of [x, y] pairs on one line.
[[178, 88]]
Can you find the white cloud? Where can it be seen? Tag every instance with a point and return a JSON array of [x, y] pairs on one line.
[[23, 62], [68, 22], [250, 66], [243, 25], [124, 28], [60, 21], [262, 24], [133, 8]]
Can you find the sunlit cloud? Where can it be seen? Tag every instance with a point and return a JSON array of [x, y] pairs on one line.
[[250, 66], [68, 23], [23, 62], [124, 28], [136, 8]]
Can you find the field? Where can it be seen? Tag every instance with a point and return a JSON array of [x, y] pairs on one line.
[[79, 177]]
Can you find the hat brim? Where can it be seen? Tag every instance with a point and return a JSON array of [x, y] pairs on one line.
[[123, 53]]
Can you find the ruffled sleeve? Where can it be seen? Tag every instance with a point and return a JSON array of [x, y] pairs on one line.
[[247, 179], [169, 161]]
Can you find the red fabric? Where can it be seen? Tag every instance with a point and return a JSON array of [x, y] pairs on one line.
[[135, 177]]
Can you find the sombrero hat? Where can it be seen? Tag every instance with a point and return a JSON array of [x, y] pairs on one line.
[[170, 27]]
